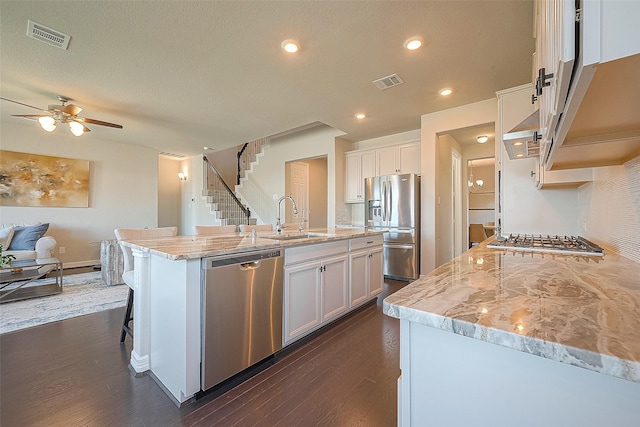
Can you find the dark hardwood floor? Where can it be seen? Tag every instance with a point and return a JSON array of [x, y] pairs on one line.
[[75, 373]]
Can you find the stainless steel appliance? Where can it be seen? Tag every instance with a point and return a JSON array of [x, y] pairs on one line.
[[392, 202], [242, 313], [572, 245]]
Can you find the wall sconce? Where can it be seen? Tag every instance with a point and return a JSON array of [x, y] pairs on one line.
[[182, 176]]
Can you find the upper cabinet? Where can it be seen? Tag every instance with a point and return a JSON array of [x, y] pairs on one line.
[[360, 165], [396, 159], [389, 160], [587, 84]]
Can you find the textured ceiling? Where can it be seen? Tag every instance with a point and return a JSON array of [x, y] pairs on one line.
[[180, 75]]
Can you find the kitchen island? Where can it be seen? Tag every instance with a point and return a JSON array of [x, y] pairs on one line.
[[168, 297], [499, 337]]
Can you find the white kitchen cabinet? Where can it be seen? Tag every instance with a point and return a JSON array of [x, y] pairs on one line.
[[365, 269], [360, 165], [396, 159], [334, 287], [555, 54], [315, 287], [588, 111], [301, 300]]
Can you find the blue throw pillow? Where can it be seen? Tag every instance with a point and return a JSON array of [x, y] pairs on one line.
[[26, 236]]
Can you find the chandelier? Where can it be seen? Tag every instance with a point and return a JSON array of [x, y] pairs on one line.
[[474, 185]]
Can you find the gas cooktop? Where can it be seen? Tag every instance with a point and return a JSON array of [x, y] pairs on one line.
[[573, 245]]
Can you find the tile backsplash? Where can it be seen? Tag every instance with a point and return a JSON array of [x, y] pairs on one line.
[[610, 208]]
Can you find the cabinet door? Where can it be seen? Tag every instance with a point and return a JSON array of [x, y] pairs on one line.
[[334, 287], [301, 300], [358, 277], [367, 167], [409, 158], [376, 278], [386, 159], [353, 175], [555, 54]]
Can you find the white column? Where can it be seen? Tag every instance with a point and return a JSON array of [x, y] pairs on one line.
[[141, 312]]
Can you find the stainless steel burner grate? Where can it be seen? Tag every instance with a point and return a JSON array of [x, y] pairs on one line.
[[555, 244]]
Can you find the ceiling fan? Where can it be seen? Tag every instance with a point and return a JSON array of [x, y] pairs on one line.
[[65, 113]]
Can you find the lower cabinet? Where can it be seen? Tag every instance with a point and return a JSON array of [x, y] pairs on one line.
[[315, 287], [324, 281], [365, 269]]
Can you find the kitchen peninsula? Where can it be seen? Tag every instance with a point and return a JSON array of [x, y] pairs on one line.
[[498, 337], [170, 278]]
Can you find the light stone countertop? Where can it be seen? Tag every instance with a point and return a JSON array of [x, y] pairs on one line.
[[580, 310], [189, 247]]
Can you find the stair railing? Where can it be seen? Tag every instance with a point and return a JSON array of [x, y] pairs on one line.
[[214, 185], [247, 154]]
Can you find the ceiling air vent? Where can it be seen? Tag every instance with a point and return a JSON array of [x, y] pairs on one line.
[[387, 82], [172, 155], [47, 35]]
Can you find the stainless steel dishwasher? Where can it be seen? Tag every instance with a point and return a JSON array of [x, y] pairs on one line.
[[242, 312]]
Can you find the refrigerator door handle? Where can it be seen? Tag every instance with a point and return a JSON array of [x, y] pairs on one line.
[[384, 201], [390, 205]]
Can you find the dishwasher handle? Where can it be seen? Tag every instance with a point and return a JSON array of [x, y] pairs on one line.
[[245, 266]]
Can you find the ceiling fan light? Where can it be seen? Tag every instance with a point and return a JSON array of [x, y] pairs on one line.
[[479, 182], [76, 128], [47, 123]]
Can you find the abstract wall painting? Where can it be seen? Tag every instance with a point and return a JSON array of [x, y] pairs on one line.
[[36, 180]]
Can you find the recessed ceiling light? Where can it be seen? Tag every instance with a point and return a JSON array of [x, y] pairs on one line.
[[290, 46], [360, 116], [482, 139], [414, 43], [517, 144], [520, 155], [446, 92]]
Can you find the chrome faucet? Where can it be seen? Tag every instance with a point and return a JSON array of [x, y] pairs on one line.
[[295, 212]]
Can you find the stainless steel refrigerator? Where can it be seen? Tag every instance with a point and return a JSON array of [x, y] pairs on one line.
[[392, 203]]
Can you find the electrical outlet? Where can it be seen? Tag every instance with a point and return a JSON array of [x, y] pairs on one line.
[[62, 249]]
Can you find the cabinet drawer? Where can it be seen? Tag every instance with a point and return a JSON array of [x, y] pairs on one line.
[[365, 242], [309, 252]]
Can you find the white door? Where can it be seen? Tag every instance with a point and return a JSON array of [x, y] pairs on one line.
[[299, 190]]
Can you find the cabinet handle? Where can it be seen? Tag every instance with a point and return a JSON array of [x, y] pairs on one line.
[[541, 81]]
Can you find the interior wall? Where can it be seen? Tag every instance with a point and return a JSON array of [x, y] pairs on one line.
[[610, 208], [226, 163], [316, 142], [168, 192], [433, 125], [123, 189], [526, 209], [318, 193], [444, 199]]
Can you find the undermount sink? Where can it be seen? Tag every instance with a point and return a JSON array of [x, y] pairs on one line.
[[293, 236]]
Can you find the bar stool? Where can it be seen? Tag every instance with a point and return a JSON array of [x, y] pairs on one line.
[[128, 275]]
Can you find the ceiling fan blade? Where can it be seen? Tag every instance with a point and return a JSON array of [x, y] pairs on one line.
[[97, 122], [26, 105], [30, 116], [72, 110]]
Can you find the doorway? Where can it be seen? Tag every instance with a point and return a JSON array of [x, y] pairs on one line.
[[306, 182], [452, 208]]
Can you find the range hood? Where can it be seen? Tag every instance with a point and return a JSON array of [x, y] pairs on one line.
[[523, 141]]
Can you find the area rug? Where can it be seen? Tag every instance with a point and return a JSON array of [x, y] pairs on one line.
[[82, 294]]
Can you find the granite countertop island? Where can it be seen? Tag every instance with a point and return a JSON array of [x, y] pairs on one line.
[[580, 310], [518, 324], [200, 246]]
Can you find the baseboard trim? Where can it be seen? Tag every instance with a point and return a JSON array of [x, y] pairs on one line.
[[76, 264]]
